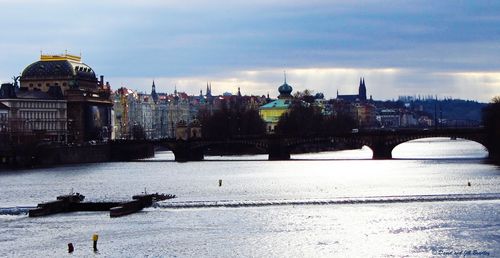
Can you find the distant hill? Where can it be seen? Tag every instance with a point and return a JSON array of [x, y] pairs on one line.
[[452, 109]]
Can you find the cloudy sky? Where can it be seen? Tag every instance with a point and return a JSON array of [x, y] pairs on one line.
[[443, 48]]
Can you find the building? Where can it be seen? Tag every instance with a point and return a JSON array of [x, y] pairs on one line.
[[186, 131], [408, 119], [272, 111], [365, 114], [88, 100], [155, 115], [179, 108], [360, 97], [4, 118], [389, 118], [64, 71], [32, 116]]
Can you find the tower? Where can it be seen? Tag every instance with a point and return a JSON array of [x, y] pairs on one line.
[[285, 90], [362, 89], [154, 95], [209, 90]]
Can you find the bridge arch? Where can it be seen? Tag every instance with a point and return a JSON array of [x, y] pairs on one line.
[[383, 148], [194, 150], [440, 147]]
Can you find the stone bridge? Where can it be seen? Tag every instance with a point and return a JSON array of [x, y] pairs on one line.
[[382, 142]]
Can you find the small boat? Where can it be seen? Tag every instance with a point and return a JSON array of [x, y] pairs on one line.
[[72, 197], [63, 203]]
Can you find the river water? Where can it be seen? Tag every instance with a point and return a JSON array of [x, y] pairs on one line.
[[331, 204]]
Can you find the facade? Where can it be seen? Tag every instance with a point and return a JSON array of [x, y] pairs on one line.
[[365, 114], [4, 118], [156, 115], [186, 131], [179, 109], [394, 118], [141, 112], [32, 116], [88, 100], [389, 118], [408, 119], [272, 111]]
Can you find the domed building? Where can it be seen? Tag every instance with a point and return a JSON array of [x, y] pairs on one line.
[[88, 99], [64, 71], [272, 111]]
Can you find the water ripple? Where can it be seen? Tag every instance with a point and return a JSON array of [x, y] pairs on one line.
[[336, 201]]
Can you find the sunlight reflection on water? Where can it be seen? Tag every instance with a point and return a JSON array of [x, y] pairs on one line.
[[413, 228]]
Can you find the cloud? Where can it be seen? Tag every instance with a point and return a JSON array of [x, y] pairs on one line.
[[485, 84], [383, 84], [323, 44]]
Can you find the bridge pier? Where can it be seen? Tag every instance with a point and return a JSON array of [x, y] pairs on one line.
[[493, 154], [381, 151], [278, 150], [183, 153]]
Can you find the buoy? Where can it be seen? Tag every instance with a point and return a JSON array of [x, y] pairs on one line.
[[70, 248], [94, 238], [220, 182]]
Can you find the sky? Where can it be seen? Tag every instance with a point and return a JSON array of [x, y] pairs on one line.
[[440, 48]]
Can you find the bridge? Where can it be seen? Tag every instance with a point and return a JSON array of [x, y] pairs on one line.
[[279, 147]]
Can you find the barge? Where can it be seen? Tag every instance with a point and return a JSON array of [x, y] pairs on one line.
[[73, 202]]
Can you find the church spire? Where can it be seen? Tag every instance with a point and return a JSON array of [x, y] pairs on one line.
[[154, 95], [284, 73], [362, 89]]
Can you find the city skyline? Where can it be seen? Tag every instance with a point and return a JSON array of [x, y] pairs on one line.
[[444, 48]]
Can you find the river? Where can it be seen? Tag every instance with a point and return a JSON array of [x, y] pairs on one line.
[[331, 204]]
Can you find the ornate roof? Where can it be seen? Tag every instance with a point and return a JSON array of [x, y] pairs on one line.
[[63, 67], [285, 90]]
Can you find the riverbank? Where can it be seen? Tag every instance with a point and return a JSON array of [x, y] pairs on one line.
[[25, 156]]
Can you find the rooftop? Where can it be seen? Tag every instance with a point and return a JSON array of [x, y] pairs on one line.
[[278, 104], [63, 57]]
